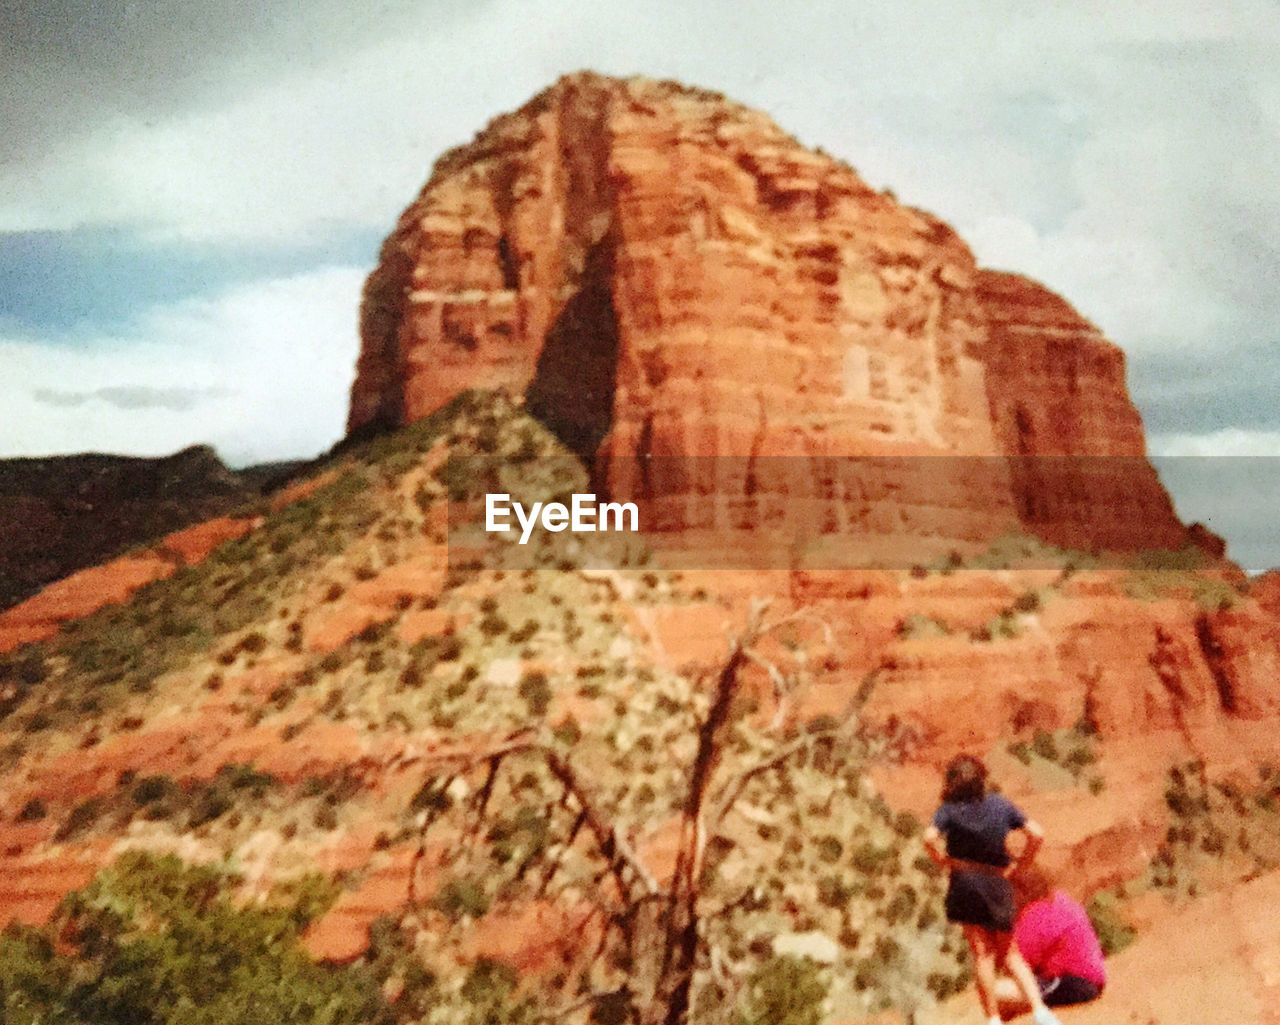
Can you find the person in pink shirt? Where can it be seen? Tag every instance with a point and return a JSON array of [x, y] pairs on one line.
[[1056, 939]]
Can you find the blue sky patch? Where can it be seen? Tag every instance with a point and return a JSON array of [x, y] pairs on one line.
[[66, 282]]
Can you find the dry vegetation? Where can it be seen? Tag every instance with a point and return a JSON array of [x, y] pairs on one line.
[[534, 728]]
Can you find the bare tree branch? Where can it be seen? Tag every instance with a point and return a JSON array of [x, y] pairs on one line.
[[609, 839], [733, 789], [652, 932]]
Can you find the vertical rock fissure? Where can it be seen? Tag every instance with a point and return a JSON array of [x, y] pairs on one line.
[[508, 265], [573, 386], [644, 455], [575, 378], [1215, 659]]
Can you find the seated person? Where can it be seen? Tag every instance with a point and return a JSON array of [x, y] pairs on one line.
[[1057, 940]]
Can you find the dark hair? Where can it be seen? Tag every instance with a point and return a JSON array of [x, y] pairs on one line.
[[965, 780]]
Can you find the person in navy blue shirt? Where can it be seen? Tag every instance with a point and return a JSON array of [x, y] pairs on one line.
[[968, 838]]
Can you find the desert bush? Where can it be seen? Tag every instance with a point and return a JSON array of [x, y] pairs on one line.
[[232, 785], [489, 996], [536, 692], [153, 789], [784, 991], [1044, 745], [253, 643], [916, 625], [1027, 602], [462, 897], [1114, 933], [870, 859], [157, 942], [82, 817], [33, 811], [524, 632], [1002, 627]]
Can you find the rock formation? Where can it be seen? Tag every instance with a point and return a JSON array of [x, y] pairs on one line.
[[663, 273]]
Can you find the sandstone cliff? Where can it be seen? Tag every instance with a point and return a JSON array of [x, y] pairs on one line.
[[663, 273]]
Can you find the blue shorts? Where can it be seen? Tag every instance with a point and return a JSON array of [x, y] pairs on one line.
[[976, 898]]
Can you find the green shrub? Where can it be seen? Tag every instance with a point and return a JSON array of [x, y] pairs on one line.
[[1044, 744], [1114, 933], [916, 625], [489, 995], [1003, 627], [784, 991], [1028, 602], [152, 789], [462, 897], [536, 692], [82, 816], [158, 942], [871, 859], [829, 848], [254, 643], [232, 784]]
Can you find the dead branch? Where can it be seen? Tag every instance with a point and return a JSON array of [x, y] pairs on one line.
[[612, 845], [656, 930], [732, 791]]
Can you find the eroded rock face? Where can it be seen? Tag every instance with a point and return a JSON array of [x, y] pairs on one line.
[[1056, 390], [664, 273]]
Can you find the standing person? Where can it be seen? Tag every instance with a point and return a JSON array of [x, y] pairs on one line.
[[1056, 939], [968, 838]]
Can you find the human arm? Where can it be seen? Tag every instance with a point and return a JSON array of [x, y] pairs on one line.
[[935, 845], [1034, 833]]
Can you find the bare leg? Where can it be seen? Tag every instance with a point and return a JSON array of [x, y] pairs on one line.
[[1009, 997], [982, 945], [1010, 960]]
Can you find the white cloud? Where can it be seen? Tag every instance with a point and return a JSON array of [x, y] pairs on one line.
[[272, 362], [918, 95], [348, 143], [1232, 442]]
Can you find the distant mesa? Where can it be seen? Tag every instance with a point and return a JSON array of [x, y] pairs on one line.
[[661, 272], [63, 513]]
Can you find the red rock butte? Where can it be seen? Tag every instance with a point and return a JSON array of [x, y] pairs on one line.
[[662, 272]]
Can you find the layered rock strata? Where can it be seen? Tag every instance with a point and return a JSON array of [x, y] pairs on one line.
[[665, 274]]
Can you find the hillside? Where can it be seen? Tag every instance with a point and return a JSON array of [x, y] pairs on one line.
[[280, 707]]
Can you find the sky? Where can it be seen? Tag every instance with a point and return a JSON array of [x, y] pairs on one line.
[[192, 194]]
